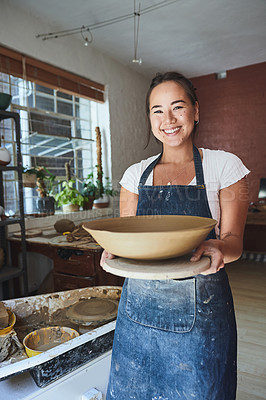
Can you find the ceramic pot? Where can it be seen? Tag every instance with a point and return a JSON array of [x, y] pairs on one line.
[[88, 204], [5, 100], [46, 205], [68, 208], [102, 202], [5, 156], [29, 180]]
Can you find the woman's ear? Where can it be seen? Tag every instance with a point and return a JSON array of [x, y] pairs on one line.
[[196, 113]]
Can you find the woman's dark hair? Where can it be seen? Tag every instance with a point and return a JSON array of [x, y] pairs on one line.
[[175, 77]]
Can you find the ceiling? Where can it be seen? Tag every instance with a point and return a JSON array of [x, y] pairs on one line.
[[194, 37]]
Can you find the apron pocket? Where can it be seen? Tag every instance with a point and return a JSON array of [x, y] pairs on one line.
[[169, 305]]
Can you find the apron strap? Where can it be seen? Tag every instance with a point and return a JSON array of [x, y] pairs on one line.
[[148, 170], [198, 167], [197, 163]]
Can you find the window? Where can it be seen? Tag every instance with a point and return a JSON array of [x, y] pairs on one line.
[[56, 128]]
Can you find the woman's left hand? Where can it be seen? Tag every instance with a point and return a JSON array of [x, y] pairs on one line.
[[210, 248]]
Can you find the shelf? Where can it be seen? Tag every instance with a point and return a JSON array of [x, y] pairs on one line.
[[10, 221], [12, 168], [7, 273], [39, 144], [8, 114]]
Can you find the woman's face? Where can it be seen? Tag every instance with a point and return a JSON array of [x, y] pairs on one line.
[[172, 114]]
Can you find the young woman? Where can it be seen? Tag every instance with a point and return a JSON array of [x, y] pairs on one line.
[[176, 339]]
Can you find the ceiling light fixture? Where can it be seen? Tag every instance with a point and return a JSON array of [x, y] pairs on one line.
[[87, 41], [88, 28], [136, 34], [103, 24]]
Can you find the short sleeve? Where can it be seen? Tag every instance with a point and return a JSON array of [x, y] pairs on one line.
[[232, 170], [130, 179]]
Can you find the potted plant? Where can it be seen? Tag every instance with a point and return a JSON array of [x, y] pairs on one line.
[[89, 191], [70, 198], [29, 177], [97, 193], [44, 180]]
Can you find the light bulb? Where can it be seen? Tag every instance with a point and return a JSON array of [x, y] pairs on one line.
[[137, 61]]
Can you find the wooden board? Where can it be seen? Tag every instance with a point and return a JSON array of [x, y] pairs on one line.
[[174, 268], [30, 233]]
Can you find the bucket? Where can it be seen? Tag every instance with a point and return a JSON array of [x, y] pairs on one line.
[[44, 339]]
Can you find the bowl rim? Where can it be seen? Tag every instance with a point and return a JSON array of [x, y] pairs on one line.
[[46, 327], [213, 222]]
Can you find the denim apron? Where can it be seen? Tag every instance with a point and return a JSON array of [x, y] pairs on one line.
[[175, 339]]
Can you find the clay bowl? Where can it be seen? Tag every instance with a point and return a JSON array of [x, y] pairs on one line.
[[46, 338], [152, 237]]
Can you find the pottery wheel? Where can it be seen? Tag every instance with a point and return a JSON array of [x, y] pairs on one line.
[[96, 310], [173, 268]]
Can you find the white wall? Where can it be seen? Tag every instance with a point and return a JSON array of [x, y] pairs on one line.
[[126, 89]]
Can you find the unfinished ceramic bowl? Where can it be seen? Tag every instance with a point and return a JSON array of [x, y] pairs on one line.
[[92, 311], [151, 237]]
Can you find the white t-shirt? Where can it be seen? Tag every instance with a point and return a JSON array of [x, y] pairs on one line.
[[220, 168]]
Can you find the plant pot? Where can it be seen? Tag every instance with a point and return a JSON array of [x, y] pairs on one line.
[[29, 180], [102, 202], [88, 204], [68, 208], [46, 205]]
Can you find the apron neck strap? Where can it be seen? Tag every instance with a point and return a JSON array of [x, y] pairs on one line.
[[198, 166]]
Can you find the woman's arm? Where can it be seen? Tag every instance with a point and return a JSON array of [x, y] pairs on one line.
[[128, 203], [128, 208], [233, 205]]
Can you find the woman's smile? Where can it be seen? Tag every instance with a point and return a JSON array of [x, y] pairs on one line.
[[171, 131]]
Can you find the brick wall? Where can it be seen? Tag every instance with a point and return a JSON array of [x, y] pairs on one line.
[[233, 117]]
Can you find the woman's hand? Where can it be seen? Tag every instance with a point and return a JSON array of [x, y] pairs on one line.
[[211, 248], [105, 255]]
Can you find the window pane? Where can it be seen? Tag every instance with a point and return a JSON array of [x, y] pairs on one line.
[[64, 108], [4, 77], [44, 89], [64, 95], [6, 131], [45, 103], [48, 125], [4, 87], [50, 132]]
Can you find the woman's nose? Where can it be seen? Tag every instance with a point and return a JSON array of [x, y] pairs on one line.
[[169, 117]]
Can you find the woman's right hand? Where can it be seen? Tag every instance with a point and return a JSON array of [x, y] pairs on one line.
[[105, 255]]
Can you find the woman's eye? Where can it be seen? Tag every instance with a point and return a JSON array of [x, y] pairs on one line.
[[158, 112], [178, 107]]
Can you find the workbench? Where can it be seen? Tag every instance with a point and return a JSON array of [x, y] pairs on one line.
[[75, 266]]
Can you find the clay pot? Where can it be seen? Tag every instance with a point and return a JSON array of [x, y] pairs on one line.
[[5, 156], [68, 208], [102, 202], [29, 180], [88, 204]]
